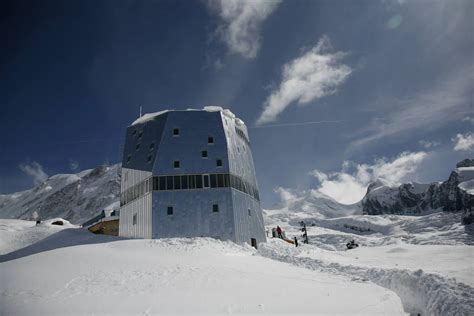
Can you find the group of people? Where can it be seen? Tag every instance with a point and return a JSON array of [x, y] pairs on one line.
[[278, 232]]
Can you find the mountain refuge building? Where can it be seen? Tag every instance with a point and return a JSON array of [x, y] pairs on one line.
[[190, 173]]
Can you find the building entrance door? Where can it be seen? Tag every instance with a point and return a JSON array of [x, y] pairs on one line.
[[253, 242]]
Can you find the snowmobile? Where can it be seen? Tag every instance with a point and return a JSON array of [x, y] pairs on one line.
[[352, 245]]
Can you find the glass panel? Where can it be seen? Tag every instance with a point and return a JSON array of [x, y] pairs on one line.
[[162, 183], [177, 182], [184, 182], [192, 183], [198, 181], [226, 180], [169, 183], [213, 181], [220, 180], [205, 178]]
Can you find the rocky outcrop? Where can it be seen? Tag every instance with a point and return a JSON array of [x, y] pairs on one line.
[[416, 198]]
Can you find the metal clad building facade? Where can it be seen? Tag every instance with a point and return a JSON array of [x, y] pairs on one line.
[[190, 174]]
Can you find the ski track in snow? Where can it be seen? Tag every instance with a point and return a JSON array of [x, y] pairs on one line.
[[421, 293]]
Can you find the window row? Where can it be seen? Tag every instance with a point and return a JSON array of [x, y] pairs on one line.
[[177, 163], [176, 133], [170, 209], [188, 182]]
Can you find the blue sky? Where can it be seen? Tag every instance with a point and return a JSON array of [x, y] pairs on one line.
[[390, 83]]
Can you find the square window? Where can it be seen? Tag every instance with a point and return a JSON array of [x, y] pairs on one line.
[[169, 211], [204, 154], [210, 140], [176, 164], [215, 208], [219, 162], [175, 131]]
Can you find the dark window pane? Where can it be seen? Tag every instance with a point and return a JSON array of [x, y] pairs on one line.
[[215, 208], [149, 158], [204, 154], [152, 145], [192, 182], [137, 147], [198, 178], [162, 183], [226, 180], [155, 183], [219, 162], [213, 181], [176, 164], [250, 213], [206, 181], [169, 183], [177, 182], [210, 140], [220, 180], [169, 211], [176, 131], [184, 182]]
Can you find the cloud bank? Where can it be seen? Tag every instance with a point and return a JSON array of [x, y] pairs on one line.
[[349, 185], [34, 170], [463, 142], [241, 21], [317, 73]]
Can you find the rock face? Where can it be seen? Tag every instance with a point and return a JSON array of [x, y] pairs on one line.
[[75, 197], [454, 194]]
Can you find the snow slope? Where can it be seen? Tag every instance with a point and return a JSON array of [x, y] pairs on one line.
[[17, 234], [190, 276]]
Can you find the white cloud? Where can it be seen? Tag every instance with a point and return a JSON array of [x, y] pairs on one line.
[[469, 119], [429, 144], [463, 142], [35, 170], [315, 74], [241, 21], [349, 185], [444, 103]]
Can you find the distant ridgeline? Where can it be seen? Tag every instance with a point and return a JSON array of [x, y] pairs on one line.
[[454, 194]]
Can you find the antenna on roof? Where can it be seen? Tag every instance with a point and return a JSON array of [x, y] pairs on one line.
[[140, 111]]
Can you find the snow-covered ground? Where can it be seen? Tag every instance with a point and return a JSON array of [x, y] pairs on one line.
[[404, 264], [192, 276]]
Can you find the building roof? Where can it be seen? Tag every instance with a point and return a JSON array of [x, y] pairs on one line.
[[151, 116]]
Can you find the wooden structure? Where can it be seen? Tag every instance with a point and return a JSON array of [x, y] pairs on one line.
[[107, 227]]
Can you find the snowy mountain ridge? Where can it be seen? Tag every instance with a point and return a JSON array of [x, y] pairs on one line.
[[454, 194], [75, 197]]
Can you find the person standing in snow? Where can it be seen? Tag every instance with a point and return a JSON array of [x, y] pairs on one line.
[[296, 242], [279, 232]]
